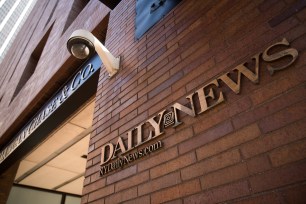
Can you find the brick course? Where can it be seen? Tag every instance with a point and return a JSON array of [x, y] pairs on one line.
[[250, 148]]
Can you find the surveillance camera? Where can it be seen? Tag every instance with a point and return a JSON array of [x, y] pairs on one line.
[[82, 44]]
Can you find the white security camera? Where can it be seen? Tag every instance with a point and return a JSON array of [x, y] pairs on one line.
[[82, 44]]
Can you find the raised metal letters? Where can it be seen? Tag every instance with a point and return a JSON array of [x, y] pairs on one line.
[[203, 97], [207, 96], [124, 160], [241, 69], [273, 57], [189, 111], [168, 119]]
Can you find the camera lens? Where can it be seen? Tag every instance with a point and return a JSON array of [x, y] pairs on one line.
[[80, 50]]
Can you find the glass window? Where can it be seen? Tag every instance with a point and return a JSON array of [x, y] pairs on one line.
[[72, 200], [21, 195]]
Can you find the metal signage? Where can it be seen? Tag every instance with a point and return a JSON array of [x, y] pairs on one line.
[[84, 73], [115, 156]]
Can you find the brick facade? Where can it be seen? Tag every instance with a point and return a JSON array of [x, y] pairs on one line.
[[248, 149]]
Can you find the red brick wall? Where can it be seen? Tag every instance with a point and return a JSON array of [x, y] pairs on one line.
[[249, 149]]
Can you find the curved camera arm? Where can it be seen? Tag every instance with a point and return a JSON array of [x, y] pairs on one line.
[[88, 39]]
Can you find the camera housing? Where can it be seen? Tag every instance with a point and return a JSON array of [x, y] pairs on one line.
[[83, 44]]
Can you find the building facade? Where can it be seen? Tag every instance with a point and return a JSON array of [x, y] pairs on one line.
[[12, 15], [208, 105]]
